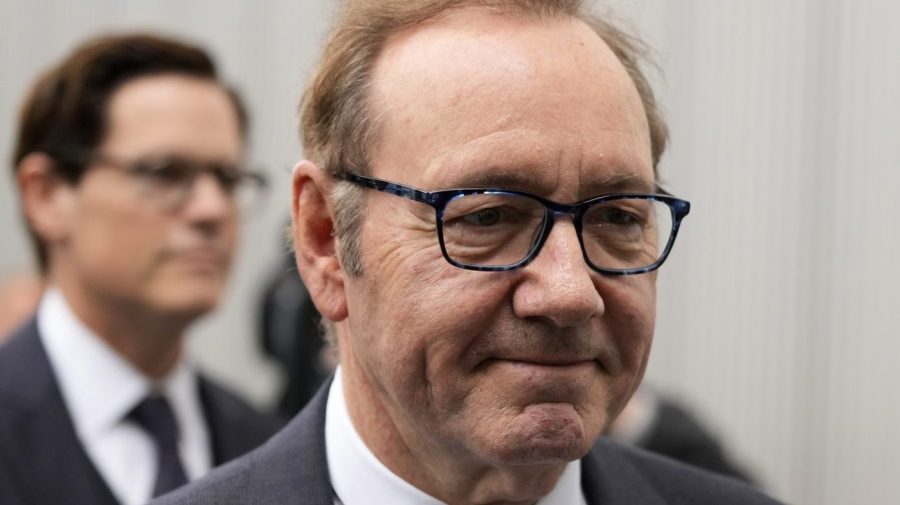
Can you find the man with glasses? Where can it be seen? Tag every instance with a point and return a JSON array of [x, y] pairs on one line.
[[480, 222], [129, 164]]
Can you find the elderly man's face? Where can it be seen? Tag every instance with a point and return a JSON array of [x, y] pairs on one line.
[[504, 368]]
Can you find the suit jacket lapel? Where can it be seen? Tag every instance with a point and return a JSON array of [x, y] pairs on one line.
[[607, 478], [234, 428], [292, 467], [224, 436], [52, 462]]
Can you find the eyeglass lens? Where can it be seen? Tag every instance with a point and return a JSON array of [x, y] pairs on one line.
[[497, 229], [170, 181]]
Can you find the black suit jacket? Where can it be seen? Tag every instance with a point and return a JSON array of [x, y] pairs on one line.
[[41, 459], [291, 469]]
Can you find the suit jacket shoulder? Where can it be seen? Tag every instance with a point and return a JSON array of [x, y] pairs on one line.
[[41, 458], [291, 468], [614, 473], [235, 428]]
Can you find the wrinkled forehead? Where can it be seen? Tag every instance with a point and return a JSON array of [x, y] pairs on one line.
[[477, 95]]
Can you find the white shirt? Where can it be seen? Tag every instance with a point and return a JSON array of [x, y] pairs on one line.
[[100, 387], [358, 478]]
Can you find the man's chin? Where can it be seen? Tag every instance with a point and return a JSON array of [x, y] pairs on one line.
[[189, 304], [546, 433]]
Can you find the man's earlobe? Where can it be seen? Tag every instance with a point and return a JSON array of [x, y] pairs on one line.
[[315, 245], [46, 198]]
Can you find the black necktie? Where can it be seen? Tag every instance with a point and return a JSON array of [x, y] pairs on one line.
[[154, 414]]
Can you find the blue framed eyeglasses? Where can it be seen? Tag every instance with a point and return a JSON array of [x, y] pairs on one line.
[[496, 229]]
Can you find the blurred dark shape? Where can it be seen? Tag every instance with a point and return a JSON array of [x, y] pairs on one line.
[[290, 334], [661, 424]]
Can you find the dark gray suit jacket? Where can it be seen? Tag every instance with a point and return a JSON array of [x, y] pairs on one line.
[[41, 458], [291, 468]]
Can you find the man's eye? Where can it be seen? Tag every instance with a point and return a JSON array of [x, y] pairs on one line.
[[616, 216], [484, 217], [163, 171], [228, 177]]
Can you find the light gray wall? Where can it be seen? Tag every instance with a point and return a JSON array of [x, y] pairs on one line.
[[777, 312], [778, 317]]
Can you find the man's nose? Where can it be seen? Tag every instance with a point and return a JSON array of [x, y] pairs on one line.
[[559, 285]]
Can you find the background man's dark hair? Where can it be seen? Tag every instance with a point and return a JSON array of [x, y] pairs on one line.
[[65, 111]]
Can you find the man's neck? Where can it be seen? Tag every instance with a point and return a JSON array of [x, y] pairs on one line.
[[151, 342]]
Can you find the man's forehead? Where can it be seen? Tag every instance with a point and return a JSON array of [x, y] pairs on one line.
[[496, 44], [502, 91], [173, 114]]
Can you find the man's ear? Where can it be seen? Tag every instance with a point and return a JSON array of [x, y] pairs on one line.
[[315, 245], [46, 198]]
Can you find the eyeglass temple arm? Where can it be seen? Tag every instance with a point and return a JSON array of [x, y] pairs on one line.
[[391, 187], [681, 207]]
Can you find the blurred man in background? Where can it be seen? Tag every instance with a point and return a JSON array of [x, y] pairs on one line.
[[129, 165]]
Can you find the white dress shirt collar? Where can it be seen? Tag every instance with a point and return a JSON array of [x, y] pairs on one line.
[[359, 478], [100, 387]]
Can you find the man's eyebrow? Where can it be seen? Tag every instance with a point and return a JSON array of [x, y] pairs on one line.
[[621, 183], [519, 180], [495, 178]]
